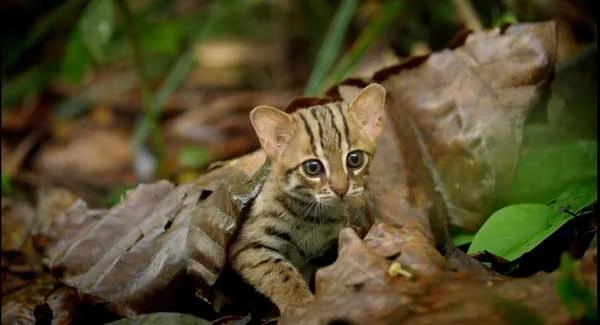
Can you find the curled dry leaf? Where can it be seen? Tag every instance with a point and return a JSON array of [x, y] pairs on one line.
[[162, 318], [357, 290], [42, 301], [18, 217], [452, 135], [136, 256], [454, 125]]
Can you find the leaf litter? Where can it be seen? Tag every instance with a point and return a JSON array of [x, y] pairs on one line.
[[451, 143]]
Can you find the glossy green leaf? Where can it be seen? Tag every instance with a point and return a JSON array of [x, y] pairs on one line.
[[541, 174], [516, 229], [162, 37], [462, 239], [97, 25]]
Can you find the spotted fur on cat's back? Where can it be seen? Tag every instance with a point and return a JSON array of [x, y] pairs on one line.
[[319, 157]]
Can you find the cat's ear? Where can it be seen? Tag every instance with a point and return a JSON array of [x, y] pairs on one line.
[[368, 106], [273, 127]]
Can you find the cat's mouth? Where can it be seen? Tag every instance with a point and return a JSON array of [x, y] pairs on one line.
[[331, 200]]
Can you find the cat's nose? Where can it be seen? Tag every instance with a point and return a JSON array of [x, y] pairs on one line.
[[340, 191]]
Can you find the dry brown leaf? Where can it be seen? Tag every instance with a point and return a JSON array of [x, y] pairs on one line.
[[18, 218], [355, 290], [454, 126], [452, 133], [136, 257], [95, 152], [43, 301]]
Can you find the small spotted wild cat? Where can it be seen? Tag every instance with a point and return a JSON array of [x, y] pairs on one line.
[[319, 156]]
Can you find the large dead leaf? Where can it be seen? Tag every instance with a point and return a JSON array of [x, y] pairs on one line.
[[454, 125], [136, 256], [451, 138], [358, 289]]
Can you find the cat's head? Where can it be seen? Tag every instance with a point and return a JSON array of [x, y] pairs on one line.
[[323, 152]]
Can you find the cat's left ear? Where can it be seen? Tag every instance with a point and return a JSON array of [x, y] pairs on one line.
[[273, 127], [368, 106]]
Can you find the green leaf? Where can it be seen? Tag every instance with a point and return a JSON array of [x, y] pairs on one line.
[[7, 188], [97, 25], [76, 58], [574, 292], [462, 239], [161, 37], [576, 197], [507, 17], [192, 157], [543, 173], [331, 46], [516, 229], [114, 196]]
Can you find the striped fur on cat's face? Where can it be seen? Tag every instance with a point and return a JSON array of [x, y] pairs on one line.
[[323, 152]]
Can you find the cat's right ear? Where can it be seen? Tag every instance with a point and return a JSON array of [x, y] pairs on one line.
[[273, 127]]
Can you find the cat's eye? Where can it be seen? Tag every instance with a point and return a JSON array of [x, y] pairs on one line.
[[355, 159], [312, 167]]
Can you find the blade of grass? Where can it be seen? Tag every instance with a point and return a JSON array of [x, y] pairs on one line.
[[331, 46], [27, 82], [364, 41], [183, 65]]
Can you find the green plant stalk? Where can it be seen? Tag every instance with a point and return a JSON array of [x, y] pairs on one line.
[[331, 46], [180, 69], [27, 82], [146, 103], [362, 44]]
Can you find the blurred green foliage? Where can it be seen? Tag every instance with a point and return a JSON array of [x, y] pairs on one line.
[[50, 41], [7, 187], [575, 293]]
